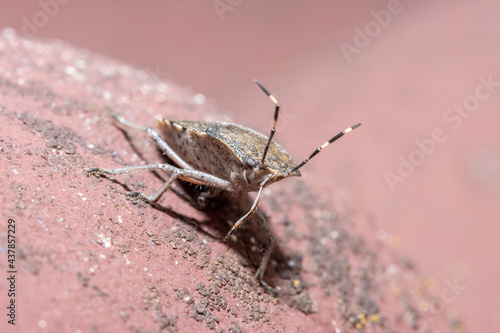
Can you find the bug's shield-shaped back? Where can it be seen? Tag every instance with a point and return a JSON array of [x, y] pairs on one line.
[[222, 149]]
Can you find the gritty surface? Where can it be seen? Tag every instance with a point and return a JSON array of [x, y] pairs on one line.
[[89, 258]]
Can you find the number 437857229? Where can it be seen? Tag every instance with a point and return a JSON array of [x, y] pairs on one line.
[[11, 240]]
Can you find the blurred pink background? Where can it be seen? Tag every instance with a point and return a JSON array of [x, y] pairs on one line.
[[402, 68]]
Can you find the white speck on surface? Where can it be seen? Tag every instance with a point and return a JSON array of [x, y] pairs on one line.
[[9, 33], [199, 98], [334, 234], [105, 240], [162, 87], [392, 269], [70, 70], [80, 63]]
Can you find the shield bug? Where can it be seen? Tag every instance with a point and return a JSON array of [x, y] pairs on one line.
[[223, 157]]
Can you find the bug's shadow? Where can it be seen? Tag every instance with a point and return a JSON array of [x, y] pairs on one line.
[[251, 239], [208, 227]]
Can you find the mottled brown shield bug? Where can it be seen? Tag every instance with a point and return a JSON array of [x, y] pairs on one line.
[[223, 157]]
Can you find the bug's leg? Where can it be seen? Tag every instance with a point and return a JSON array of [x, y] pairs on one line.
[[130, 169], [267, 254], [126, 169], [127, 123], [158, 140], [153, 198], [209, 193], [252, 210], [192, 176]]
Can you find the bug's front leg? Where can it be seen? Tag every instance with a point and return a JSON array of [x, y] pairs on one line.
[[265, 225], [153, 198]]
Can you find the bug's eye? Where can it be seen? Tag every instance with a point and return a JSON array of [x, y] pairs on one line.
[[249, 162]]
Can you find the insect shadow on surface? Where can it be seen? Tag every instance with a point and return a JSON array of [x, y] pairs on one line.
[[223, 157]]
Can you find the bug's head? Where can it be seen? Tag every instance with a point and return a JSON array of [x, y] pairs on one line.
[[256, 172], [274, 169]]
